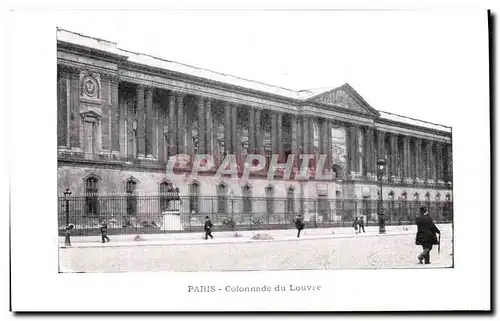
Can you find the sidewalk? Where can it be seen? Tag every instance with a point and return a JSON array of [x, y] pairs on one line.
[[171, 239]]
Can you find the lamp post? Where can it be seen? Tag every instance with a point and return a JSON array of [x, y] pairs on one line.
[[380, 211], [67, 193], [67, 239], [231, 197]]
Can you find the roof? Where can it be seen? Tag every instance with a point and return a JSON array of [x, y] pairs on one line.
[[148, 60]]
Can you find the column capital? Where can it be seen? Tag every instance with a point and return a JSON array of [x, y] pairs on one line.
[[140, 87], [148, 89], [178, 94], [69, 70]]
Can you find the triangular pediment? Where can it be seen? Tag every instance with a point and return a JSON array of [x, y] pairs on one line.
[[346, 97]]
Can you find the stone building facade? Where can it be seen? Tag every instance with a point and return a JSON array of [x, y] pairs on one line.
[[122, 115]]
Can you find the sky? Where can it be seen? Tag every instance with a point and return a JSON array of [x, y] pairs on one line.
[[413, 63]]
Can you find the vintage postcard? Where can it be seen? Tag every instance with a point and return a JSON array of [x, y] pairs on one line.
[[196, 141]]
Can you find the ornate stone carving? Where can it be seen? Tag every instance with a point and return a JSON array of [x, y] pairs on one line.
[[90, 84], [341, 98]]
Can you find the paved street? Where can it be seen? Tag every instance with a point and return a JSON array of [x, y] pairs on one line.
[[356, 251]]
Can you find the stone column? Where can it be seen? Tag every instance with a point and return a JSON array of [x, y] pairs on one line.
[[188, 120], [310, 141], [274, 145], [181, 129], [368, 152], [429, 163], [149, 121], [234, 134], [161, 129], [449, 162], [439, 162], [227, 128], [294, 142], [354, 149], [201, 124], [172, 140], [258, 135], [74, 108], [62, 108], [209, 126], [329, 148], [141, 128], [279, 136], [215, 142], [251, 131], [393, 156], [305, 135], [348, 149], [418, 160], [115, 116], [406, 159]]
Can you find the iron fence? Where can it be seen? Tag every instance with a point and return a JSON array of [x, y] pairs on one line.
[[138, 214]]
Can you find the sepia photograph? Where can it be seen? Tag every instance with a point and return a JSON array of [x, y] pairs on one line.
[[236, 153]]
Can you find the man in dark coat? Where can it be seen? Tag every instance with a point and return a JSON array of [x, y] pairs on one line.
[[104, 230], [208, 228], [426, 235], [299, 224], [355, 224], [361, 224]]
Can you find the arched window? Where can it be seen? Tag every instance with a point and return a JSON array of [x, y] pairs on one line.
[[247, 199], [164, 189], [194, 197], [269, 200], [290, 200], [91, 199], [222, 192], [131, 190]]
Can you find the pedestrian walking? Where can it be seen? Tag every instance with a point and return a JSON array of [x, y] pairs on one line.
[[299, 225], [104, 230], [361, 224], [355, 224], [208, 228], [426, 235]]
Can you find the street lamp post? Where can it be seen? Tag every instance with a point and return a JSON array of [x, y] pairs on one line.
[[67, 193], [231, 197], [67, 239], [380, 211]]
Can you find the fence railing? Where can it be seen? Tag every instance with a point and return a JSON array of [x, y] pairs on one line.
[[138, 214]]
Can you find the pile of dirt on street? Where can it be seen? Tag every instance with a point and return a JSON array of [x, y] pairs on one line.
[[263, 236]]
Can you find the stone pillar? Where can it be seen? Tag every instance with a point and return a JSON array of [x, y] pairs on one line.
[[162, 110], [215, 142], [74, 108], [141, 128], [368, 145], [209, 126], [188, 119], [274, 141], [310, 140], [181, 129], [122, 120], [406, 159], [62, 108], [449, 162], [354, 149], [429, 163], [172, 140], [149, 121], [348, 149], [234, 134], [417, 174], [251, 130], [393, 156], [294, 142], [131, 131], [258, 138], [201, 125], [115, 116], [227, 128], [329, 148], [279, 136], [439, 162]]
